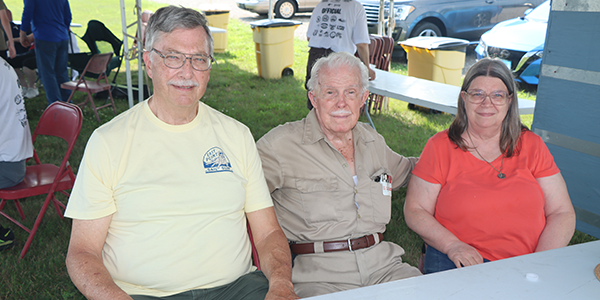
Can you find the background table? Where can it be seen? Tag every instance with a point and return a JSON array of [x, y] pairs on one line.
[[426, 93], [563, 274]]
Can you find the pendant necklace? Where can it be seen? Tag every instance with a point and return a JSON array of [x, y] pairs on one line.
[[500, 174]]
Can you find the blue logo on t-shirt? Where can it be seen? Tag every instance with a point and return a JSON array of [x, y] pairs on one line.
[[216, 161]]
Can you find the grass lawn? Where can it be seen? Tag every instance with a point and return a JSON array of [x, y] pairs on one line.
[[234, 89]]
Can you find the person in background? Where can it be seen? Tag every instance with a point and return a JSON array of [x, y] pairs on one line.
[[336, 26], [49, 21], [4, 45], [15, 138], [24, 62], [487, 188], [331, 180], [172, 222]]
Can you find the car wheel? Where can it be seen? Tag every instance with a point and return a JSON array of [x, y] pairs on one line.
[[285, 9], [426, 29]]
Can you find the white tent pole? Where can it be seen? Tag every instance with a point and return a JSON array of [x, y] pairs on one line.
[[391, 20], [126, 54], [270, 10], [380, 18], [140, 51]]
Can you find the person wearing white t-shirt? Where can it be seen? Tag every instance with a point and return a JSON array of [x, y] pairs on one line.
[[15, 137], [336, 26], [163, 191]]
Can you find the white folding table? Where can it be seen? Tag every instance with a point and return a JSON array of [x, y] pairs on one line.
[[559, 274]]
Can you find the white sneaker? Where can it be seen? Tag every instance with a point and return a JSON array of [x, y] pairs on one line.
[[24, 91], [31, 93], [75, 75]]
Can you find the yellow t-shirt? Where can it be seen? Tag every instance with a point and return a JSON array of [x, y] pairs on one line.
[[179, 196]]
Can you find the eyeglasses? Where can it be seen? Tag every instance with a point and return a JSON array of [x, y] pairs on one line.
[[176, 60], [478, 96]]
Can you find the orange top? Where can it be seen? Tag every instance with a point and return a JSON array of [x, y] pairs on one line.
[[501, 218]]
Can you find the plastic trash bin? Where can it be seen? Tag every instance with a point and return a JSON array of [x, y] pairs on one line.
[[218, 16], [219, 39], [274, 41], [440, 59]]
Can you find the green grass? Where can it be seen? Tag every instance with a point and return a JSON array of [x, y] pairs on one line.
[[234, 89]]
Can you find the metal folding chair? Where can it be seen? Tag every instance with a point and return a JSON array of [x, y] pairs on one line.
[[96, 65], [61, 120]]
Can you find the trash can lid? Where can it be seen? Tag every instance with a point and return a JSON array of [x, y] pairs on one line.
[[216, 30], [435, 43], [274, 23], [214, 9]]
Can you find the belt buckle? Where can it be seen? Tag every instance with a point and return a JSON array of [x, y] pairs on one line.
[[350, 245]]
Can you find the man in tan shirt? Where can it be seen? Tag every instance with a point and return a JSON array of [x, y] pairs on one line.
[[331, 179]]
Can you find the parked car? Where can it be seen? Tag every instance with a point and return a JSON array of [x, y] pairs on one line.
[[464, 19], [519, 43], [285, 9]]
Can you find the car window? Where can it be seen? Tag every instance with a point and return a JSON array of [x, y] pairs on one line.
[[540, 13]]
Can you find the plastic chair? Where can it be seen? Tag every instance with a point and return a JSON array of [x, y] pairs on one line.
[[97, 65], [59, 120]]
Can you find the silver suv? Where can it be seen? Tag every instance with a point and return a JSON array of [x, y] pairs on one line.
[[465, 19]]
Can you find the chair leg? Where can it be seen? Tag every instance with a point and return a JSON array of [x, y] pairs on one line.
[[106, 104], [17, 204], [57, 206], [36, 225], [112, 101], [71, 96], [91, 100], [19, 209]]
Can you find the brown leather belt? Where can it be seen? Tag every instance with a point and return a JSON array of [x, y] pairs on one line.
[[355, 244]]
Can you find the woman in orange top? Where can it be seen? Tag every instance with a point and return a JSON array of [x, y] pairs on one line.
[[487, 188]]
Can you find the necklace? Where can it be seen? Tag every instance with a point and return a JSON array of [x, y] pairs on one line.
[[500, 174]]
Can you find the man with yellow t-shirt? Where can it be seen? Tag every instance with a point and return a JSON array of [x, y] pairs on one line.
[[163, 191]]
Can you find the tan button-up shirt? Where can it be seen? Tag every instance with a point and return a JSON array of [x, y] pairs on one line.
[[314, 194]]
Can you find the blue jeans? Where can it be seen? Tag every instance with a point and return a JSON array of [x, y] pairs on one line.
[[436, 261], [252, 286], [52, 59], [11, 173]]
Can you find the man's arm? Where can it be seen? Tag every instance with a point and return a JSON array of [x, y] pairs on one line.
[[84, 260], [363, 54], [67, 15], [274, 253]]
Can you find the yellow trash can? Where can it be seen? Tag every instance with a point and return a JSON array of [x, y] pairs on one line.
[[439, 59], [274, 42], [218, 16]]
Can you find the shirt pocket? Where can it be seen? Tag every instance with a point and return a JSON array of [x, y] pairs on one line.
[[381, 203], [320, 199]]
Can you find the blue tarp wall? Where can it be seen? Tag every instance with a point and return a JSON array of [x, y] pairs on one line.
[[567, 112]]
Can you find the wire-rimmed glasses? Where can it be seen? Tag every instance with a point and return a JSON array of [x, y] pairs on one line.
[[176, 60], [478, 96]]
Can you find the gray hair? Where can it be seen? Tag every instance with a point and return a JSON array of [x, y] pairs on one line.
[[335, 61], [168, 18], [511, 125]]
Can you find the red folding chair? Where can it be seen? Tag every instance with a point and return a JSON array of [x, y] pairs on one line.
[[96, 66], [59, 120]]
